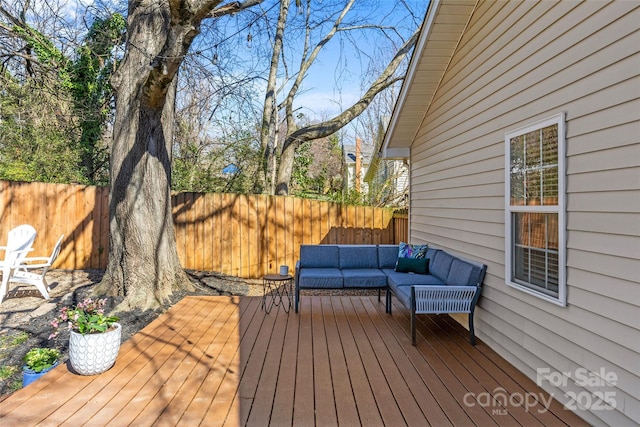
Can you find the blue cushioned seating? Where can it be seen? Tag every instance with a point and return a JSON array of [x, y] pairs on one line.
[[431, 253], [452, 284], [396, 279], [358, 257], [440, 265], [462, 273], [364, 278], [319, 256], [321, 278], [387, 256]]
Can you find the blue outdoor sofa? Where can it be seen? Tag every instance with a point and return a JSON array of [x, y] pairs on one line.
[[452, 285]]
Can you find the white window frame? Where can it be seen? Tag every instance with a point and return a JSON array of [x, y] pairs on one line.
[[561, 299]]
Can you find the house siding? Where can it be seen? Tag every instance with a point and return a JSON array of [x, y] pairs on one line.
[[519, 62]]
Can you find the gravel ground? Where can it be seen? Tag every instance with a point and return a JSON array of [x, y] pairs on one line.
[[25, 317]]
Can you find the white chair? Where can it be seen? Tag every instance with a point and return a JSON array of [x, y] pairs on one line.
[[32, 270], [19, 241]]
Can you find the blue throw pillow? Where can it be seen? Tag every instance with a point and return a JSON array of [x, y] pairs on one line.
[[406, 250], [413, 265]]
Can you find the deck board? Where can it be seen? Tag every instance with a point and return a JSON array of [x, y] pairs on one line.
[[325, 407], [419, 393], [345, 406], [388, 407], [304, 390], [282, 411], [341, 361], [364, 399]]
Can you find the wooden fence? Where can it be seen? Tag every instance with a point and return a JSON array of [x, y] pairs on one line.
[[239, 235]]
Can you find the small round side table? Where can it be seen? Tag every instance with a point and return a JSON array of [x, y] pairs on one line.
[[278, 288]]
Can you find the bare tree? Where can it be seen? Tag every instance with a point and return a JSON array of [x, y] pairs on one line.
[[296, 136], [287, 143], [143, 261]]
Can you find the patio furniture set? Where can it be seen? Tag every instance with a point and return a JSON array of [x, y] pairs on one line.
[[425, 280], [18, 268]]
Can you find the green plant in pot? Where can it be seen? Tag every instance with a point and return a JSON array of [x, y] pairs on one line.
[[94, 336], [38, 361]]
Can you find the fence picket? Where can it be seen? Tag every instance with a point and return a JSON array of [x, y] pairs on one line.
[[241, 235]]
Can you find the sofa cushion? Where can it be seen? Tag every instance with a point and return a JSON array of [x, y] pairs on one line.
[[387, 256], [403, 293], [326, 278], [440, 265], [319, 256], [364, 278], [358, 256], [407, 250], [431, 252], [413, 265], [395, 279], [463, 273]]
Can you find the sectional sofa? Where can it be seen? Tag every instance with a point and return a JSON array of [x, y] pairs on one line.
[[452, 284]]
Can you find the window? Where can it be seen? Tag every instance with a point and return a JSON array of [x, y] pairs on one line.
[[534, 213]]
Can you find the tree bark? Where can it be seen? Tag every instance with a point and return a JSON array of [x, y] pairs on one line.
[[269, 126], [143, 261]]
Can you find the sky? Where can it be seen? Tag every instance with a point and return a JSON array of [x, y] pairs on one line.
[[328, 88]]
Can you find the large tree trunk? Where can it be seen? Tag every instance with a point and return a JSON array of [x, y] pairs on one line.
[[143, 261]]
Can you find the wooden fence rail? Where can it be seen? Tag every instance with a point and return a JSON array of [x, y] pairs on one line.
[[239, 235]]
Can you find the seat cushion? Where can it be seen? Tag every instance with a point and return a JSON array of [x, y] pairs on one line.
[[440, 265], [364, 278], [358, 257], [400, 284], [387, 256], [319, 256], [463, 273], [395, 279], [403, 293], [325, 278]]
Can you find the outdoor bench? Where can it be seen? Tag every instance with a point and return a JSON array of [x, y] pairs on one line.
[[452, 285]]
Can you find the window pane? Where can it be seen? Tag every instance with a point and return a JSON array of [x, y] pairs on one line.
[[552, 231], [549, 162], [535, 250], [517, 169], [550, 145], [532, 149], [550, 186], [532, 187], [521, 226]]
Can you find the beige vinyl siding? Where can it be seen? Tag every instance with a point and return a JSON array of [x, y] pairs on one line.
[[516, 63]]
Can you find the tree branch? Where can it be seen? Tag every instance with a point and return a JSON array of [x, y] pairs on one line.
[[233, 7], [329, 127], [306, 62]]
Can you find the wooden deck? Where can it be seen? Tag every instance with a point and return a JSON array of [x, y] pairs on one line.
[[340, 361]]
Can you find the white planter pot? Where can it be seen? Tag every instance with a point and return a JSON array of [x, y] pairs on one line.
[[93, 354]]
